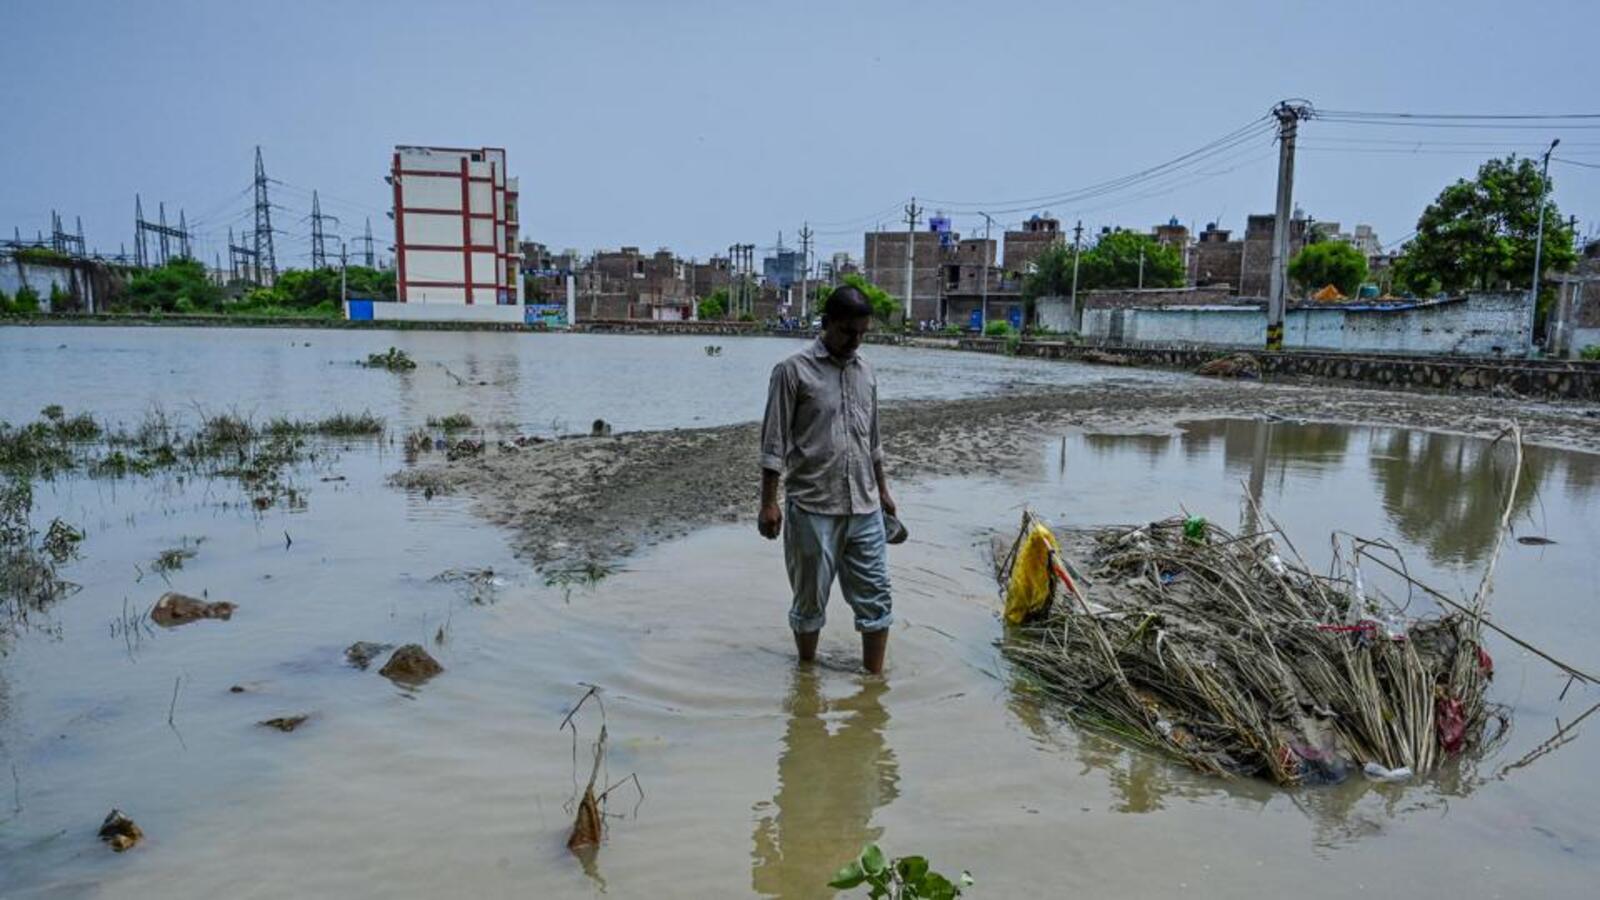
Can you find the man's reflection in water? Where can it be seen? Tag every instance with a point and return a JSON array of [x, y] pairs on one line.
[[830, 781]]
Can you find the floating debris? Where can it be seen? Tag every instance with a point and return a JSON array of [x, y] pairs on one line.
[[174, 609], [1187, 640], [119, 831], [285, 723]]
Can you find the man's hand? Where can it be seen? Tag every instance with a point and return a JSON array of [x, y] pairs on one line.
[[887, 502], [770, 522]]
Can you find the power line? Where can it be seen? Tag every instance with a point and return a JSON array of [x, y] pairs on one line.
[[1343, 113]]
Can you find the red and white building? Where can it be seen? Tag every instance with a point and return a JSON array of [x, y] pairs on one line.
[[455, 227]]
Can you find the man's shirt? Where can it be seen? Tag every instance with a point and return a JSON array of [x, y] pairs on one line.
[[821, 431]]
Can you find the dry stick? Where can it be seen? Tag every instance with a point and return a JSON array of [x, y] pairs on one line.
[[1571, 670], [1556, 741], [174, 707]]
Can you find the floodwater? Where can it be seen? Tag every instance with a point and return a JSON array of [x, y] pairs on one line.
[[757, 779]]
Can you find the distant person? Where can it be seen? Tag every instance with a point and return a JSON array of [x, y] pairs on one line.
[[820, 437]]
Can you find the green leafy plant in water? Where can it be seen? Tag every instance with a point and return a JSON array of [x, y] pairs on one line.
[[393, 359], [901, 878]]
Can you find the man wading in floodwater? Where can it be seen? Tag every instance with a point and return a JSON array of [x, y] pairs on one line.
[[820, 435]]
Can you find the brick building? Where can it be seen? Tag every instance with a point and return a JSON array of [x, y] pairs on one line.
[[1246, 265]]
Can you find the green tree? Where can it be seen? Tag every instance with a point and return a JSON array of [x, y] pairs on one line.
[[1329, 262], [715, 306], [1480, 233], [884, 304], [1050, 275], [1113, 262], [180, 284]]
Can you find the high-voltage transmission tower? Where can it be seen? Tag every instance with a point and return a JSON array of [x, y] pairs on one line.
[[263, 233], [164, 234], [319, 250], [63, 241], [243, 259], [366, 241]]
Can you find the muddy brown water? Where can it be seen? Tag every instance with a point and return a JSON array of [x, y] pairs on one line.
[[757, 778]]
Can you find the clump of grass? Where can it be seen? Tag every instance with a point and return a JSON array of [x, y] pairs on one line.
[[350, 425], [33, 449], [453, 422], [227, 430], [363, 424], [173, 558], [28, 567], [393, 359]]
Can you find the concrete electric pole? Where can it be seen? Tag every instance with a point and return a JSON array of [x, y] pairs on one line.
[[1538, 242], [912, 211], [1288, 115], [805, 272], [983, 290], [1077, 247]]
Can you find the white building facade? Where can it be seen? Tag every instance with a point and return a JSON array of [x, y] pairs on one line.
[[455, 227]]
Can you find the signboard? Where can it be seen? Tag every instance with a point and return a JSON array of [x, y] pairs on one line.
[[550, 315]]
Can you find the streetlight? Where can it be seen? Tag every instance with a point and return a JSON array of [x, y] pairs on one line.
[[1538, 241]]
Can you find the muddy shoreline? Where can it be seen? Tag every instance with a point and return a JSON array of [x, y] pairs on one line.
[[592, 501]]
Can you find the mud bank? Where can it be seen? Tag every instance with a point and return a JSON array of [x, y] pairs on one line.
[[594, 500]]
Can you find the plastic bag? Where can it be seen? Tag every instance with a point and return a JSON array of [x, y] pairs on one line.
[[1028, 589]]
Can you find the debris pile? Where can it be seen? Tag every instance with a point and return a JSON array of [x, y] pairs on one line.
[[1180, 638]]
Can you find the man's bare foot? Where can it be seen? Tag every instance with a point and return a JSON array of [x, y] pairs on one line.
[[806, 644], [874, 644]]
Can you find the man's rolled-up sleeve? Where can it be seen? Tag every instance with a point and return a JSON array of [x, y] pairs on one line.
[[775, 423]]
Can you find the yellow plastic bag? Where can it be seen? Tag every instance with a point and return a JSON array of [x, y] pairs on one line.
[[1028, 591]]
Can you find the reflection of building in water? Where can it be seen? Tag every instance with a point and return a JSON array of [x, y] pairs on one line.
[[830, 782], [1445, 492]]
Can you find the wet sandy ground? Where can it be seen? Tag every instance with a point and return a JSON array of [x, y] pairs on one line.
[[583, 500]]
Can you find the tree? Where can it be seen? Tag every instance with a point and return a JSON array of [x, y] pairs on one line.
[[179, 286], [1049, 276], [1113, 262], [884, 305], [714, 306], [1329, 262], [1480, 233]]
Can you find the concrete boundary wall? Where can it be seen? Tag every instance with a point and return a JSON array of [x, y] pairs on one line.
[[1478, 324]]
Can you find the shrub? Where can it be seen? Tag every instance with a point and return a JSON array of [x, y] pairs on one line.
[[1000, 328], [1591, 352]]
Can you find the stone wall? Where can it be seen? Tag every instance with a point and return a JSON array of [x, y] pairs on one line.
[[1528, 378]]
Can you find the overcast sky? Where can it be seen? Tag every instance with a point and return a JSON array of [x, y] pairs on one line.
[[696, 125]]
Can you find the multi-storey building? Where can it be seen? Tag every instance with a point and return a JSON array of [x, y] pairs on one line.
[[455, 226]]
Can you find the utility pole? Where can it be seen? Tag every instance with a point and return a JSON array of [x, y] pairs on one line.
[[344, 293], [1289, 116], [805, 270], [912, 212], [1141, 267], [263, 233], [1538, 242], [1077, 245], [983, 277]]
